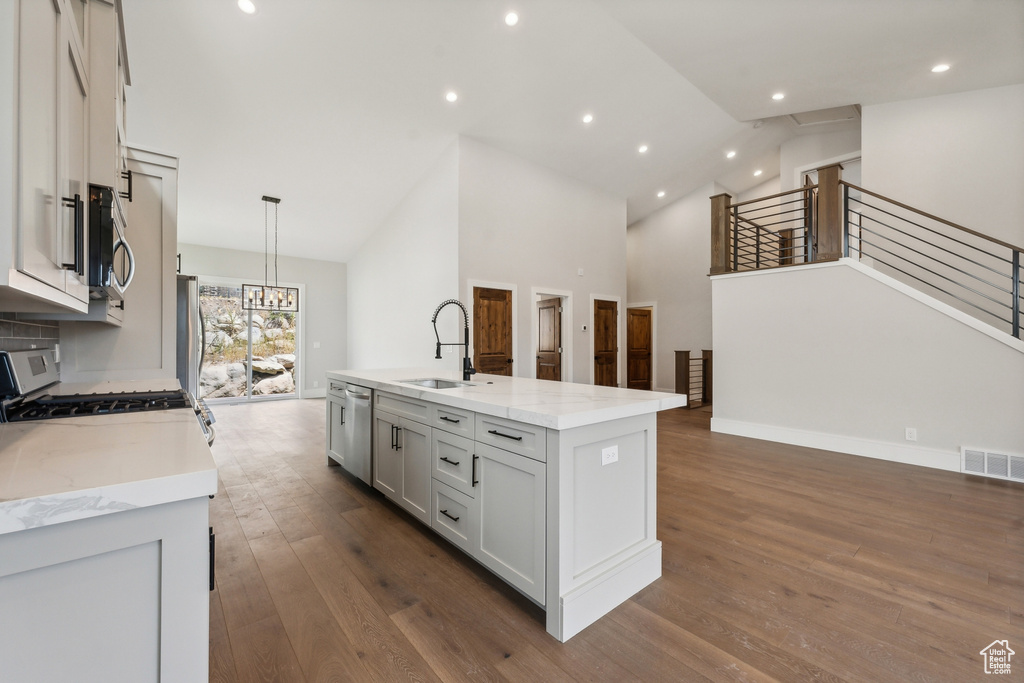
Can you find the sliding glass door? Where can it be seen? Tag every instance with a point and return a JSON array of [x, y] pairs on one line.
[[248, 354]]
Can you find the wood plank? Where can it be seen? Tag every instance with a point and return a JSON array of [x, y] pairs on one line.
[[222, 662], [264, 654], [323, 650], [365, 624]]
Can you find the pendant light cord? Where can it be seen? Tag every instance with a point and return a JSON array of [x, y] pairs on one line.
[[275, 245], [266, 248]]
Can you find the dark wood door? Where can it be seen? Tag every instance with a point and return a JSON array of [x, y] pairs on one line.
[[638, 348], [606, 343], [492, 331], [549, 339]]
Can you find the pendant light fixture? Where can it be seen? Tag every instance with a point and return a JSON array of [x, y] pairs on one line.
[[267, 297]]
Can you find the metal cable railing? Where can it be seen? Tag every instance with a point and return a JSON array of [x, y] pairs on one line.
[[969, 270], [773, 231]]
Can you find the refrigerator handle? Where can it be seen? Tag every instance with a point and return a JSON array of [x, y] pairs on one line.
[[202, 339]]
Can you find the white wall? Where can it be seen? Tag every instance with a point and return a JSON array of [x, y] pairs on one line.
[[527, 226], [812, 149], [668, 260], [322, 306], [403, 271], [837, 356], [958, 156], [765, 189]]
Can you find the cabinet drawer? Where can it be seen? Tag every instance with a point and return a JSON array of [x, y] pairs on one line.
[[452, 457], [404, 407], [454, 516], [454, 420], [518, 437]]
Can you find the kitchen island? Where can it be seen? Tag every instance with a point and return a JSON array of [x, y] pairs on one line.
[[550, 485], [104, 548]]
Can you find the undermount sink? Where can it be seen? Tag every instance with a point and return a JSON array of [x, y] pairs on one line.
[[435, 383]]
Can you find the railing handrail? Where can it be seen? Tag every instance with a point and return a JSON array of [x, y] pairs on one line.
[[932, 217], [744, 219], [773, 196]]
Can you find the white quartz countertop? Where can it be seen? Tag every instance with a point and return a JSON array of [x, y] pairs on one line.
[[555, 405], [60, 470]]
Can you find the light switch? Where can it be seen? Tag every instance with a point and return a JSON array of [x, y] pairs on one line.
[[610, 455]]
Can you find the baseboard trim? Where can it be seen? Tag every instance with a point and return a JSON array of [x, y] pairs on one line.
[[880, 450], [585, 604]]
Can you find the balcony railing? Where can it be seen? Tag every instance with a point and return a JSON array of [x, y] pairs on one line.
[[965, 268]]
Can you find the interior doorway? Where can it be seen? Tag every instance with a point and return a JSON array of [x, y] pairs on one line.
[[492, 330], [549, 339], [606, 342], [639, 347]]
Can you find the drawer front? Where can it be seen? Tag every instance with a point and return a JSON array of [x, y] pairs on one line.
[[420, 411], [454, 516], [452, 457], [454, 420], [517, 437]]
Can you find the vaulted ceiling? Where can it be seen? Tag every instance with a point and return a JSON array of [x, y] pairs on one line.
[[338, 106]]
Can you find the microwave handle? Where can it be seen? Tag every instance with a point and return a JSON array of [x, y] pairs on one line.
[[131, 262]]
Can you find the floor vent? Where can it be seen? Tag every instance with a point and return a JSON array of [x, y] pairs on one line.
[[988, 464]]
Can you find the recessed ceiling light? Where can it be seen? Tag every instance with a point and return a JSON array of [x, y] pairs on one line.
[[730, 155], [939, 68], [661, 194], [778, 96], [247, 6], [587, 118], [451, 96], [511, 19], [757, 172], [642, 149]]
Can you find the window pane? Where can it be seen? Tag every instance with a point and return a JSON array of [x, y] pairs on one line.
[[228, 334], [227, 342]]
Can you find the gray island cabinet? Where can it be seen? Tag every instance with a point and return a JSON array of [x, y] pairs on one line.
[[549, 485]]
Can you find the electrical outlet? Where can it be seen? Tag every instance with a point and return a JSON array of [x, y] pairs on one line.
[[911, 434], [316, 345], [315, 384], [609, 455]]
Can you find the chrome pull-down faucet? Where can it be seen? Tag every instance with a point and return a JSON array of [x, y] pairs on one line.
[[467, 365]]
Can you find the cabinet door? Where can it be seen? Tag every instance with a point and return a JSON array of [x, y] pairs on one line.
[[511, 498], [387, 458], [74, 172], [455, 517], [452, 460], [414, 443], [335, 428], [39, 69]]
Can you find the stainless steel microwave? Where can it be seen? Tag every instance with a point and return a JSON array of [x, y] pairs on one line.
[[111, 262]]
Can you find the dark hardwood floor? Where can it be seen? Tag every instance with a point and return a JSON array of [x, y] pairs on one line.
[[780, 563]]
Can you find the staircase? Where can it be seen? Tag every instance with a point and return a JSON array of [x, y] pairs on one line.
[[848, 321]]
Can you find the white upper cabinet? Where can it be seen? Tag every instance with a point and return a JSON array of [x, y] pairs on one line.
[[108, 75], [46, 140]]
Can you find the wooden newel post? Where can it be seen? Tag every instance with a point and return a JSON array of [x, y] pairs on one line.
[[683, 372], [721, 245], [829, 234]]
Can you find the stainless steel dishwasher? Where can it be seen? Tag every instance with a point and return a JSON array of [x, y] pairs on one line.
[[350, 428]]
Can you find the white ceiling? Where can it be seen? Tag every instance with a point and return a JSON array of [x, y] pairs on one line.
[[337, 106]]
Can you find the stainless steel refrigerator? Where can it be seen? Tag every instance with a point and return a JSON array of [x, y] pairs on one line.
[[191, 335]]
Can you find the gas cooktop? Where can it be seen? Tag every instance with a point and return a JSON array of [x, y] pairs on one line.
[[70, 405]]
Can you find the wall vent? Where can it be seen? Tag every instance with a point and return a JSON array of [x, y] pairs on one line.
[[989, 464]]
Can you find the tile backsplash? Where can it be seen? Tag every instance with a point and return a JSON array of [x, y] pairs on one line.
[[23, 335]]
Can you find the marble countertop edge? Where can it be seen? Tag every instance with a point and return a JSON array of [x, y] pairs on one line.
[[67, 506]]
